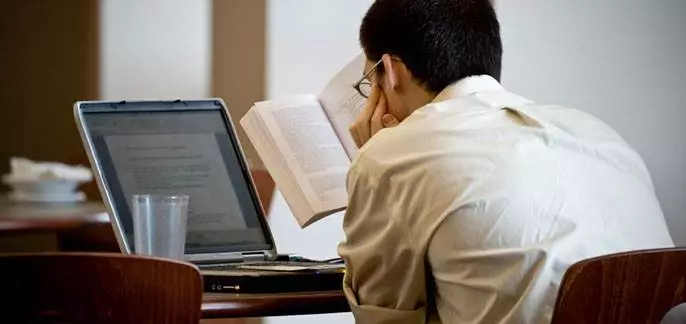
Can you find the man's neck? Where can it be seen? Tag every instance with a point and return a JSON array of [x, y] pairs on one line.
[[416, 99]]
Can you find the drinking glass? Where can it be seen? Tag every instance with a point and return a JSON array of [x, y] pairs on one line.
[[160, 225]]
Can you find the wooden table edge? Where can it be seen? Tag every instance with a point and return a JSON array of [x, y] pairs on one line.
[[24, 225], [263, 305]]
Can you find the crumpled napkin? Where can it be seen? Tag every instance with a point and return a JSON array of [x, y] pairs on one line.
[[22, 169]]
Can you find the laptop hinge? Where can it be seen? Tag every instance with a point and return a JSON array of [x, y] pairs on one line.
[[252, 257]]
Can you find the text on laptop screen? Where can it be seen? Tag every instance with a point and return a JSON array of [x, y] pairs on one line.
[[181, 152]]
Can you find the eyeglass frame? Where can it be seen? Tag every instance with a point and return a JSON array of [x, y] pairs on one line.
[[357, 84]]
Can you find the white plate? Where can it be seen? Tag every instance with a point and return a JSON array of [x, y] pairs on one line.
[[71, 197], [41, 186]]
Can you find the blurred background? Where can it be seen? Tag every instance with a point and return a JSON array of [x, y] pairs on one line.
[[621, 60]]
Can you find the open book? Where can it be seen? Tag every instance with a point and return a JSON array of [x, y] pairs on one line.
[[305, 144]]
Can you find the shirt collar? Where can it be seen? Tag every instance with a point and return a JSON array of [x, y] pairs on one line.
[[468, 86]]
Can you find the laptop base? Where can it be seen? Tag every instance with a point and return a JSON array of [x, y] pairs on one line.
[[272, 282]]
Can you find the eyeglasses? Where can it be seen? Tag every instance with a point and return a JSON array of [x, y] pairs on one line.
[[364, 86]]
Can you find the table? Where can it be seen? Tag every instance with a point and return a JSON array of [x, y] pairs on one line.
[[41, 216], [28, 227], [259, 305], [86, 227]]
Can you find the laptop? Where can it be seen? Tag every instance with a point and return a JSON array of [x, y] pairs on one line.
[[190, 147]]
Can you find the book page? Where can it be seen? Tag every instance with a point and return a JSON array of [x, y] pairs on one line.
[[310, 148], [275, 163], [342, 104]]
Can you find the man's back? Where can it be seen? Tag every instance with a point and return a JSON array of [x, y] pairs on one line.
[[495, 196]]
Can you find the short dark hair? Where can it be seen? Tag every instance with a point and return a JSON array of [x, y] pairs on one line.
[[440, 41]]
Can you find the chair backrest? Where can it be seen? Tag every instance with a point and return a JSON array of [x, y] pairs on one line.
[[97, 288], [633, 287]]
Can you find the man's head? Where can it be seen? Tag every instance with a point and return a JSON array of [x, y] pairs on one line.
[[426, 45]]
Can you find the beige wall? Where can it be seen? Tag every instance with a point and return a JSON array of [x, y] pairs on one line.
[[238, 59]]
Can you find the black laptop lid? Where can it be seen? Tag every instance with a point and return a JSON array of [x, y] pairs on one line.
[[176, 147]]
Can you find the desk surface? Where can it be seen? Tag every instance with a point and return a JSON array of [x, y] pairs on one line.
[[15, 217], [248, 305], [83, 227]]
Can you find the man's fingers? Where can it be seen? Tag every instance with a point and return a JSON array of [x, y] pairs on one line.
[[381, 105], [389, 120], [361, 130], [375, 124], [369, 107], [370, 120], [355, 136]]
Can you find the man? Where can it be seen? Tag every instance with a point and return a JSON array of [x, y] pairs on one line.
[[472, 206]]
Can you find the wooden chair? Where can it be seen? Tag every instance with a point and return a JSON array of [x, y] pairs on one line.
[[97, 288], [633, 287]]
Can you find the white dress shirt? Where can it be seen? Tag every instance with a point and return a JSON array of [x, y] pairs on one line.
[[471, 209]]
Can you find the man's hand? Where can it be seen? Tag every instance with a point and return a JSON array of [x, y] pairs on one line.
[[373, 118]]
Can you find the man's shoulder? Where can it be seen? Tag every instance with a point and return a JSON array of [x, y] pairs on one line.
[[418, 152], [574, 120], [392, 147], [447, 136]]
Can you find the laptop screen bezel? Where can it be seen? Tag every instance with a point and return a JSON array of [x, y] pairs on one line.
[[82, 108]]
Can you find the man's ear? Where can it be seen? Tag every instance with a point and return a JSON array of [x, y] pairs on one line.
[[390, 74], [396, 73]]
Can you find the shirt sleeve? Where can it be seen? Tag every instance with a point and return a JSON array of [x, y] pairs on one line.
[[385, 277]]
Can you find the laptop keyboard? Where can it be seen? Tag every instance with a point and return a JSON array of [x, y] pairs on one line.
[[229, 266], [275, 266]]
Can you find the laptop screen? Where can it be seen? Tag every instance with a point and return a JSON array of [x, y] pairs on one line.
[[180, 152]]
